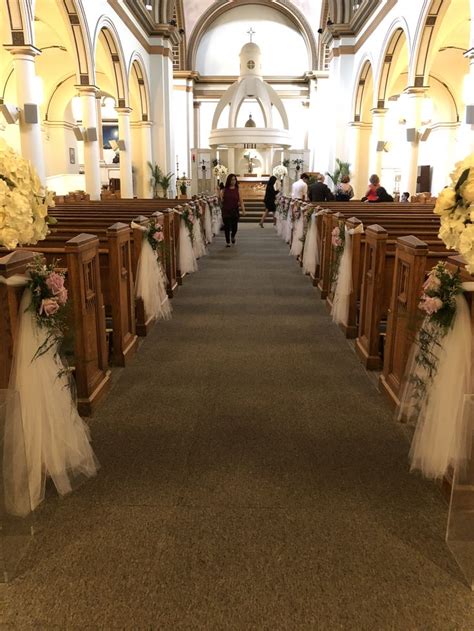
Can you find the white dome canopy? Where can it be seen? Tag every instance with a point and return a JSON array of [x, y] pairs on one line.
[[250, 85]]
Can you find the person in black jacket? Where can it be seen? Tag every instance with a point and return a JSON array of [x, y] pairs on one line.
[[319, 192], [269, 199]]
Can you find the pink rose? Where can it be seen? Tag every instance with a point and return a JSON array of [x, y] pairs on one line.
[[191, 218], [49, 306], [430, 305], [158, 236], [61, 296], [55, 283]]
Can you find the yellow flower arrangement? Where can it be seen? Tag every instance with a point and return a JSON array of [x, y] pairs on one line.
[[455, 206], [24, 201]]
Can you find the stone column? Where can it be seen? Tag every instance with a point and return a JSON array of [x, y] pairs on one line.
[[358, 157], [100, 137], [410, 158], [87, 94], [377, 135], [27, 94], [142, 154], [161, 72], [197, 124], [126, 179]]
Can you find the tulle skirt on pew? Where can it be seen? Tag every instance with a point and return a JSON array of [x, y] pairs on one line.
[[199, 246], [297, 243], [216, 221], [150, 284], [286, 232], [443, 435], [208, 224], [310, 248], [278, 222], [56, 438], [187, 259]]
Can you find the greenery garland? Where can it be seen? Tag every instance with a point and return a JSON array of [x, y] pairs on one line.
[[188, 218], [338, 240]]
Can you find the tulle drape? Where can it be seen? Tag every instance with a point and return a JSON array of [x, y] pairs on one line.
[[297, 243], [344, 284], [216, 219], [208, 222], [150, 284], [187, 259], [310, 247], [199, 246], [56, 438], [442, 436]]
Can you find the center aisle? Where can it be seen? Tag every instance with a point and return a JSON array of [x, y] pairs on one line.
[[252, 478]]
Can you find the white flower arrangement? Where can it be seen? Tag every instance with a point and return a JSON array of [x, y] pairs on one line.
[[280, 171], [23, 201], [455, 206], [220, 171]]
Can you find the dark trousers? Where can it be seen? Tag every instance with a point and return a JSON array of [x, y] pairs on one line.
[[231, 225]]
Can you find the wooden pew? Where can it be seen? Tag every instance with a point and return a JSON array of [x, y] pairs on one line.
[[117, 280], [413, 260], [378, 275]]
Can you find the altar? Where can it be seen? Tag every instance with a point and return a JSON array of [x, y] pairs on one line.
[[252, 187]]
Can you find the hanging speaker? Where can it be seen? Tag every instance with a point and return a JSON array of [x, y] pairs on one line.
[[470, 114], [121, 145], [411, 134], [30, 113], [78, 133], [90, 134]]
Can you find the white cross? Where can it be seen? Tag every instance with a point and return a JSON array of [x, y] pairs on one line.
[[251, 32]]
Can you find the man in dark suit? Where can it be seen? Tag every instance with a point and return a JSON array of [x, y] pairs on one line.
[[319, 192]]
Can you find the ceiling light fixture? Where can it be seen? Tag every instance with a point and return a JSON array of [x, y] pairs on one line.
[[148, 6]]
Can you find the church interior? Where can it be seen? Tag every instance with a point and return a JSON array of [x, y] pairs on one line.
[[236, 314]]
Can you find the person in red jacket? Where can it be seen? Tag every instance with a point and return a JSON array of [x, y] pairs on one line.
[[371, 194]]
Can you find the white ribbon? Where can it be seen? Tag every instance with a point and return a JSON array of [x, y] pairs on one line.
[[344, 283]]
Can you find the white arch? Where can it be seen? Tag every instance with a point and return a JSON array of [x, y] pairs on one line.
[[106, 25]]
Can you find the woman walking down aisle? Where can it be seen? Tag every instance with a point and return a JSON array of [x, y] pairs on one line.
[[232, 206], [269, 200]]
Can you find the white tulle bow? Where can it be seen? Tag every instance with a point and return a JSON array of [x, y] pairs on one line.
[[344, 284]]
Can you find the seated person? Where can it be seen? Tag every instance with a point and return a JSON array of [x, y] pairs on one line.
[[319, 191], [405, 198], [371, 194], [382, 196], [344, 191]]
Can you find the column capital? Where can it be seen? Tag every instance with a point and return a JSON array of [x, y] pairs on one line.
[[26, 50], [124, 111], [84, 90], [379, 111], [141, 124]]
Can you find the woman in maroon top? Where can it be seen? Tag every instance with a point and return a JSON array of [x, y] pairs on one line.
[[232, 205]]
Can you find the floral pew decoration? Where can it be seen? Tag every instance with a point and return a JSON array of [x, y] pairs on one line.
[[199, 247], [46, 427], [187, 258], [297, 229], [205, 204], [311, 256], [150, 283], [217, 222], [438, 377], [341, 271]]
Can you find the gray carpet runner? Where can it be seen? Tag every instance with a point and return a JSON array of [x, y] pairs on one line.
[[252, 478]]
